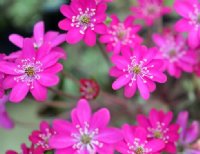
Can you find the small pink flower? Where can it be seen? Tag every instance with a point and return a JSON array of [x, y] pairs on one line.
[[2, 56], [50, 40], [5, 120], [89, 89], [137, 69], [188, 134], [136, 142], [150, 10], [87, 134], [190, 22], [40, 138], [33, 71], [121, 35], [84, 18], [158, 127], [25, 150], [174, 51]]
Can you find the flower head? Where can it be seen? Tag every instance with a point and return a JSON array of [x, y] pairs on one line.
[[5, 120], [25, 150], [87, 133], [175, 53], [84, 18], [50, 40], [121, 35], [190, 22], [33, 71], [137, 69], [89, 89], [136, 142], [40, 138], [188, 134], [158, 127], [150, 10]]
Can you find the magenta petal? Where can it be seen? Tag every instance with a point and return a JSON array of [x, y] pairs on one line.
[[129, 91], [54, 69], [101, 8], [8, 68], [115, 72], [100, 119], [90, 37], [28, 50], [48, 79], [38, 32], [158, 39], [143, 121], [63, 126], [66, 11], [168, 118], [73, 36], [100, 28], [170, 147], [106, 149], [16, 39], [69, 150], [39, 92], [5, 121], [9, 82], [182, 120], [61, 141], [110, 136], [192, 132], [144, 91], [65, 24], [83, 111], [105, 38], [19, 92], [120, 62], [182, 26], [58, 40], [183, 8], [156, 145], [120, 82], [193, 39], [140, 133]]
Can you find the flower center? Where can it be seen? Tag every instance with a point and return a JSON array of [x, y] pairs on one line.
[[158, 134], [85, 19], [172, 53], [136, 69], [28, 71], [85, 139], [139, 150]]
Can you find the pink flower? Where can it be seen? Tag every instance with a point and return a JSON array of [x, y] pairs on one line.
[[5, 120], [89, 89], [137, 69], [25, 150], [87, 134], [158, 127], [188, 134], [84, 18], [40, 138], [121, 35], [50, 40], [175, 53], [1, 78], [136, 142], [33, 71], [190, 11], [150, 10]]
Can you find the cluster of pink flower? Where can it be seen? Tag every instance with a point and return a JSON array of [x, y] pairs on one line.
[[35, 67], [89, 133]]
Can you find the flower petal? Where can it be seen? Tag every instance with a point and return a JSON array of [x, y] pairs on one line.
[[48, 79], [38, 32], [73, 36], [19, 92], [39, 92], [120, 82], [90, 37], [16, 39]]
